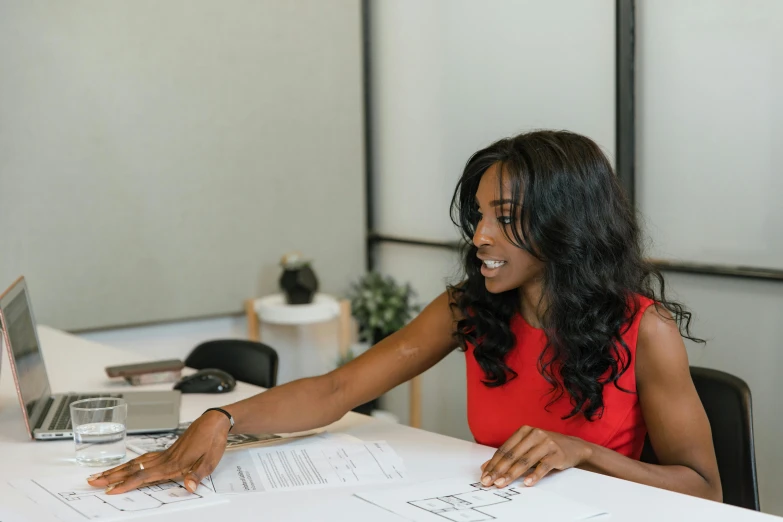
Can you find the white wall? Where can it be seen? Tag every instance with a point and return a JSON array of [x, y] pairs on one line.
[[174, 340], [452, 76], [159, 157], [710, 127]]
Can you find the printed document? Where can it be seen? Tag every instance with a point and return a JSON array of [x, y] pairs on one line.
[[320, 462]]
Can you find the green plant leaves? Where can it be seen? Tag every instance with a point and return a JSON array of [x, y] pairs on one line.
[[380, 305]]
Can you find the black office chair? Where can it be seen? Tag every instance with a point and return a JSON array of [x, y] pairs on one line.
[[727, 401], [247, 361]]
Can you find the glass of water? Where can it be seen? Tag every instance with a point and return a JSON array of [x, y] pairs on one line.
[[99, 430]]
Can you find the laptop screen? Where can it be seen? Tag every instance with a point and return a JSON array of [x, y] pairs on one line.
[[31, 372]]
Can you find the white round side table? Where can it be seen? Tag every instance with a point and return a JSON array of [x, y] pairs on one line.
[[274, 309]]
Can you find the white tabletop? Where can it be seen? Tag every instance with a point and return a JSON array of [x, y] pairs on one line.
[[75, 364]]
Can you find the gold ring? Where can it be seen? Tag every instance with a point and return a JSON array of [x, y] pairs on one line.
[[141, 466]]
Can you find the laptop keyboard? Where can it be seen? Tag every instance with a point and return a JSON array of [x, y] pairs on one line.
[[62, 417]]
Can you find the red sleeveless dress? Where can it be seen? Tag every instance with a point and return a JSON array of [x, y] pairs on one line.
[[494, 414]]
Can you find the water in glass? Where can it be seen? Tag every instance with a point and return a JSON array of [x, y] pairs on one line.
[[100, 443], [99, 430]]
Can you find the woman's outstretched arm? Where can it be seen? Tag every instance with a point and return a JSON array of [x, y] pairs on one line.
[[299, 405]]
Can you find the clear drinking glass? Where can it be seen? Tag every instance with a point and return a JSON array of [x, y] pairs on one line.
[[99, 430]]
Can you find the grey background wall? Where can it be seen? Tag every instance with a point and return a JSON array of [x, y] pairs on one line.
[[710, 128], [709, 136], [159, 157]]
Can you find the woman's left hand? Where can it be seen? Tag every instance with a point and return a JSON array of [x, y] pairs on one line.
[[530, 448]]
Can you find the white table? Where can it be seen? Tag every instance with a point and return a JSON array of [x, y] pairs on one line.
[[75, 364]]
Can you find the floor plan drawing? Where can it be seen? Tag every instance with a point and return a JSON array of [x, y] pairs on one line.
[[462, 499], [72, 499], [466, 506], [96, 504]]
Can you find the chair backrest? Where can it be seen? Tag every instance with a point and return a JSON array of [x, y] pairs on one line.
[[247, 361], [727, 401]]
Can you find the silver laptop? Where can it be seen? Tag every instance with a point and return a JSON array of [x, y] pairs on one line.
[[48, 416]]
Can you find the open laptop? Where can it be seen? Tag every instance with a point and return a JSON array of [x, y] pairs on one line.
[[48, 416]]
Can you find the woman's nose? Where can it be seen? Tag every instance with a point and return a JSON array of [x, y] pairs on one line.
[[482, 236]]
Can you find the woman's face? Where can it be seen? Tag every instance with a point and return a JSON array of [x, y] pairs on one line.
[[504, 265]]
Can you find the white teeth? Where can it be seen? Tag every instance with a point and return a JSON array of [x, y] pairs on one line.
[[494, 264]]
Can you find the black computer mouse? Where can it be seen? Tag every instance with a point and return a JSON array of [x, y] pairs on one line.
[[208, 380]]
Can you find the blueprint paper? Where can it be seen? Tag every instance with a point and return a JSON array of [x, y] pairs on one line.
[[459, 499], [71, 499]]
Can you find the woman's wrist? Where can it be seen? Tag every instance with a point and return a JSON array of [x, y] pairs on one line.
[[222, 420], [585, 452]]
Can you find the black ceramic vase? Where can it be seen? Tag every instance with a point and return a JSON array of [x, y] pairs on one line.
[[299, 284]]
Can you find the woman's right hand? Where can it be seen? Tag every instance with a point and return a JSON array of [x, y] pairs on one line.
[[193, 456]]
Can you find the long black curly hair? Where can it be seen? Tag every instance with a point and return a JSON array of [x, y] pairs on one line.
[[573, 216]]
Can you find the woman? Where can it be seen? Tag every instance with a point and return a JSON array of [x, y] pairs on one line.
[[573, 352]]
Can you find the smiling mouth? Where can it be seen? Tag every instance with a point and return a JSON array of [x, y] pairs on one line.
[[493, 264]]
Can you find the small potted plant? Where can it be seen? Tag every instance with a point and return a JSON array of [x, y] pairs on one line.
[[381, 306]]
